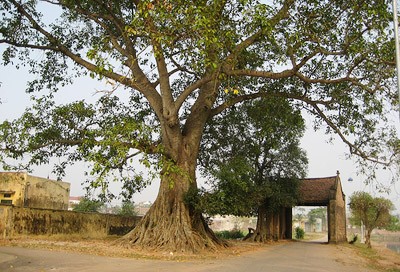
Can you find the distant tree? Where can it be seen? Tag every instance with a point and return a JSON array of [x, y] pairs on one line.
[[394, 224], [373, 212], [127, 209], [317, 213], [299, 215], [88, 205], [312, 219], [254, 166]]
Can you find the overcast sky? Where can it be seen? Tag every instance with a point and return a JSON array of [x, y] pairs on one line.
[[324, 158]]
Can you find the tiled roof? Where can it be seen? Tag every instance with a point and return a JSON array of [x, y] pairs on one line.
[[316, 191]]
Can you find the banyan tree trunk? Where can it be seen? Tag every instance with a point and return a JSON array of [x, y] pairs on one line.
[[276, 228], [171, 224], [262, 232]]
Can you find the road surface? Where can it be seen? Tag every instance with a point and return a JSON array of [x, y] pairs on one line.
[[284, 257]]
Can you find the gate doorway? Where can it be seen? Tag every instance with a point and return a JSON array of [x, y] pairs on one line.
[[313, 220], [321, 192]]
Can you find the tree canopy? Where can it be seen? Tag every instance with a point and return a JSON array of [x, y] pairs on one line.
[[394, 224], [183, 63], [254, 162], [373, 212]]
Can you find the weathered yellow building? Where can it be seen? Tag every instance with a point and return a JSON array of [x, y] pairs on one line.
[[23, 190]]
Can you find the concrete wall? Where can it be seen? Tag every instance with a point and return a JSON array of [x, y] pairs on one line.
[[34, 192], [230, 222], [16, 221], [46, 193]]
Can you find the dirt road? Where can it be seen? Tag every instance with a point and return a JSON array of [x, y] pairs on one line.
[[285, 257]]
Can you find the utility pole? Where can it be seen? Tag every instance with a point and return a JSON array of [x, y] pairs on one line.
[[396, 39]]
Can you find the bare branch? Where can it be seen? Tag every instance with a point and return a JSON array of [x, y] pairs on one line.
[[353, 148], [31, 46]]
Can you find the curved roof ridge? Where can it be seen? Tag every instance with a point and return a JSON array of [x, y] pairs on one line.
[[320, 178]]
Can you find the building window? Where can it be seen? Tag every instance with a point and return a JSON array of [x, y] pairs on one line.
[[7, 202], [7, 195]]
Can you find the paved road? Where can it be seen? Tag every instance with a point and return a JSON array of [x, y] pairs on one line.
[[285, 257]]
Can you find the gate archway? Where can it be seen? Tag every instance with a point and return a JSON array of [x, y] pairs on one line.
[[326, 192]]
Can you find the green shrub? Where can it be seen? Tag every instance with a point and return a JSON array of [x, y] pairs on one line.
[[127, 209], [299, 233], [88, 205], [230, 234]]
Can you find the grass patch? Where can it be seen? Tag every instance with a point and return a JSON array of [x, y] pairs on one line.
[[230, 234], [314, 236], [369, 253], [309, 236], [374, 258]]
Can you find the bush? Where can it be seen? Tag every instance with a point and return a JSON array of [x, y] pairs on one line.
[[299, 233], [230, 234], [127, 209], [88, 205]]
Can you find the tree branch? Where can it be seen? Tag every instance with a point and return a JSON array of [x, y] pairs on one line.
[[353, 148], [242, 98], [190, 89], [262, 74], [31, 46], [140, 83], [281, 14]]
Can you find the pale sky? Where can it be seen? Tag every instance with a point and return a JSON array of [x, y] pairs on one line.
[[324, 158]]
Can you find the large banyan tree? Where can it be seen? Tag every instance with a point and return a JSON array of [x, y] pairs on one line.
[[181, 63]]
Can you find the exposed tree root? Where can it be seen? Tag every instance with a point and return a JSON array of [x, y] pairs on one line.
[[172, 229], [258, 237]]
